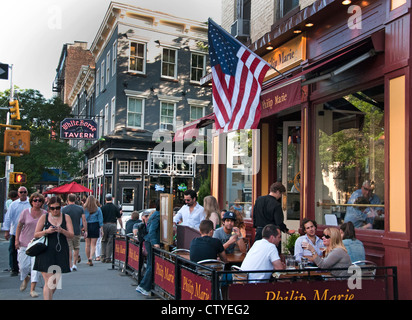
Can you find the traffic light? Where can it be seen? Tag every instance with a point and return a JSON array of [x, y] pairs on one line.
[[14, 110], [18, 178], [17, 141]]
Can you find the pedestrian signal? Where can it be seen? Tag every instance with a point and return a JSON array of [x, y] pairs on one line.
[[18, 178], [14, 110], [17, 141]]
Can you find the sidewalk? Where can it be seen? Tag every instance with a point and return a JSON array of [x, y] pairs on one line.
[[99, 282]]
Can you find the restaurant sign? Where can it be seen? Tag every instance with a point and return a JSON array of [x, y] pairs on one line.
[[281, 97], [120, 250], [133, 257], [195, 287], [164, 276], [310, 290], [286, 57], [78, 129]]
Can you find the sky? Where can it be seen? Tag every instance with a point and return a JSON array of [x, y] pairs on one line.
[[32, 33]]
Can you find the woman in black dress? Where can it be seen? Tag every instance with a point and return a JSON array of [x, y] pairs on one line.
[[55, 260]]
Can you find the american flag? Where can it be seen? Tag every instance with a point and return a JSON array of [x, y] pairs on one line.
[[237, 75]]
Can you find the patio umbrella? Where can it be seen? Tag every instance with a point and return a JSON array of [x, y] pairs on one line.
[[72, 187]]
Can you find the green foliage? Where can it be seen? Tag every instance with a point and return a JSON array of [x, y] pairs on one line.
[[204, 189], [290, 242], [42, 118]]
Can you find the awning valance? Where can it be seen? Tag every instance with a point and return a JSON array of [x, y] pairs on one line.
[[190, 130]]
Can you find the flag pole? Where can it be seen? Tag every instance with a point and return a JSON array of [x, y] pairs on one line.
[[220, 28]]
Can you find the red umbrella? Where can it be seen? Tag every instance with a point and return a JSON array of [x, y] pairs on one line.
[[72, 187]]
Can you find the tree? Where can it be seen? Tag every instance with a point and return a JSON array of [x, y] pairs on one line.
[[42, 118]]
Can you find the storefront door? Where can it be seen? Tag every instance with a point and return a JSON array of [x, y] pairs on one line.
[[291, 172]]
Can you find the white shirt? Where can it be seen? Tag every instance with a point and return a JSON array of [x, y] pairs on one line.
[[260, 257], [13, 213], [300, 252], [191, 219]]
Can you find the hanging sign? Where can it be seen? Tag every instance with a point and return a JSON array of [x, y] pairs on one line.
[[78, 129]]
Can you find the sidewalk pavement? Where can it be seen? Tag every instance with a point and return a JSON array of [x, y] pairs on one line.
[[99, 282]]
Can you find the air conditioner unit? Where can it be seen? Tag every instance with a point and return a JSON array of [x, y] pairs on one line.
[[240, 28]]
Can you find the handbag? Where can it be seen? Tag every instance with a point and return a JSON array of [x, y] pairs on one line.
[[37, 246]]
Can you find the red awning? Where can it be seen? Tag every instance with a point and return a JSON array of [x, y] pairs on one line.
[[190, 130]]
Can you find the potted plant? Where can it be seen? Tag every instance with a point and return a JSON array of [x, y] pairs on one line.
[[290, 242]]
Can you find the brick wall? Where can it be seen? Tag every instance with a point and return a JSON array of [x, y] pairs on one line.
[[77, 55], [262, 18]]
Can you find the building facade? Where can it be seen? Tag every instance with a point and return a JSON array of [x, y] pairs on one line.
[[335, 113], [144, 86]]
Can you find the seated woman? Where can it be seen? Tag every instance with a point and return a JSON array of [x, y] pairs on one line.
[[354, 246], [336, 254]]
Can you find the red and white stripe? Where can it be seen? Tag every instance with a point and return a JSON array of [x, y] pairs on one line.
[[236, 99]]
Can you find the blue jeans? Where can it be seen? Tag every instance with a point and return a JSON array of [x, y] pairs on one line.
[[147, 280]]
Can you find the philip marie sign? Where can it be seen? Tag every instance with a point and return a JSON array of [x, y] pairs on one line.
[[78, 129]]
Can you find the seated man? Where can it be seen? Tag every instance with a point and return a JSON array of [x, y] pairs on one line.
[[206, 247], [264, 255], [229, 235], [362, 217], [301, 244], [190, 214]]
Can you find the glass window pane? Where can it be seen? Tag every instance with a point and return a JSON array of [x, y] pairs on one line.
[[350, 144]]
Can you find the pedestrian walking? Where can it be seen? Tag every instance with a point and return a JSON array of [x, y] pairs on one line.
[[77, 215], [24, 234], [111, 214], [55, 259], [94, 220], [10, 224]]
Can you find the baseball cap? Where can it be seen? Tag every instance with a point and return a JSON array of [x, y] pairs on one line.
[[229, 215]]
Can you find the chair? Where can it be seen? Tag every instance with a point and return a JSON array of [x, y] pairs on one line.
[[176, 251], [211, 263], [239, 277], [368, 268]]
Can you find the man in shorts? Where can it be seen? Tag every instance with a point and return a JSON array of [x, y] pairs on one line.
[[76, 213]]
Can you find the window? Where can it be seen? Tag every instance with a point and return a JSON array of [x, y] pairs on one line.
[[135, 167], [239, 171], [97, 81], [106, 119], [123, 167], [128, 195], [350, 149], [137, 59], [135, 112], [167, 115], [196, 113], [114, 58], [198, 67], [169, 63], [112, 114], [288, 5], [109, 166], [107, 67], [101, 124], [102, 77]]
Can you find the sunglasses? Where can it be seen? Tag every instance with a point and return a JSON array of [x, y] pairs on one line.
[[326, 236], [37, 200], [22, 191], [55, 208]]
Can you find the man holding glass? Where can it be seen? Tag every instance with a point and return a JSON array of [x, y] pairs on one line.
[[310, 237]]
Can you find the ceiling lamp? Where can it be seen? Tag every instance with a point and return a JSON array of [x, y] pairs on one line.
[[309, 24], [346, 2], [297, 31], [269, 47]]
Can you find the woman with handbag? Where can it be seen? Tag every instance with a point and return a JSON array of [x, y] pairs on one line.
[[24, 233], [55, 259]]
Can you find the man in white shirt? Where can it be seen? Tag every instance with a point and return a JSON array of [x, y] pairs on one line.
[[264, 255], [192, 213], [10, 224], [310, 237]]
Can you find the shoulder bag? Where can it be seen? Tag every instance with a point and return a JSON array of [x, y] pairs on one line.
[[37, 245]]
